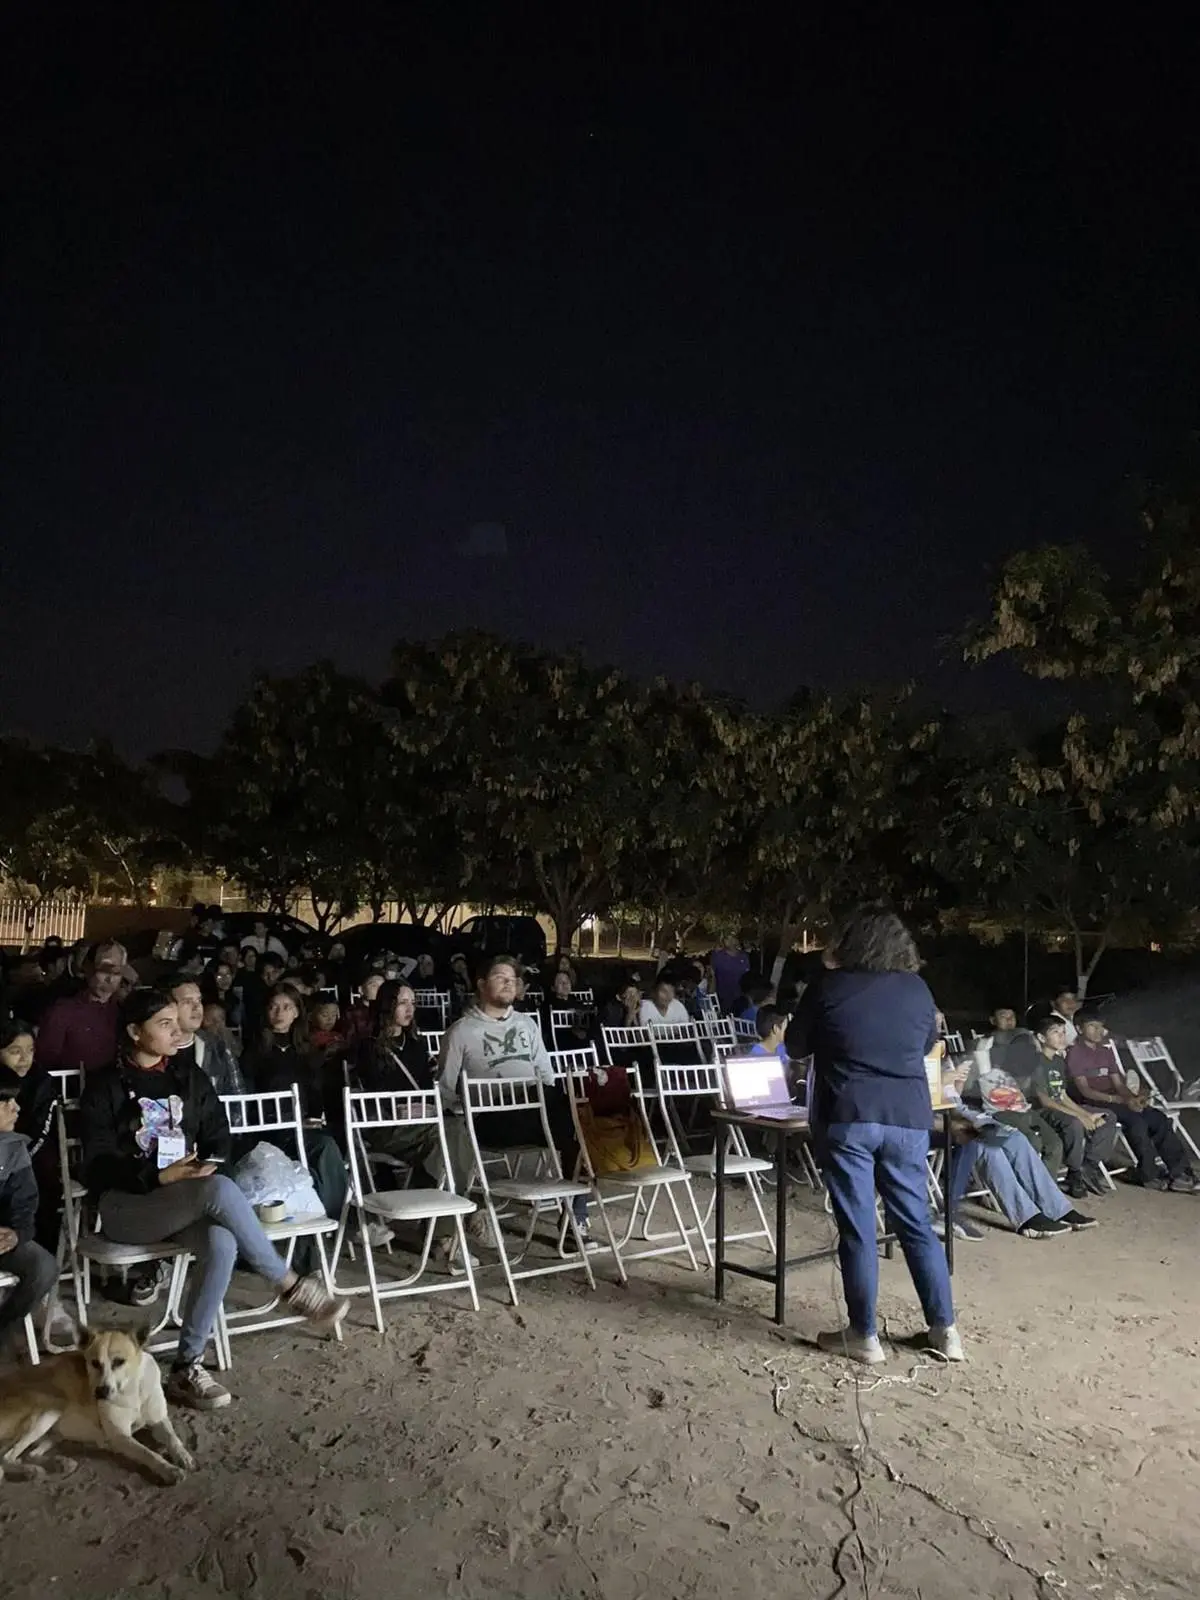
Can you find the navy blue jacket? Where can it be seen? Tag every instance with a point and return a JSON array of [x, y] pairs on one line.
[[868, 1034]]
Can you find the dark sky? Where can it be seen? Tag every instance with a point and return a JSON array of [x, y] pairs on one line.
[[763, 346]]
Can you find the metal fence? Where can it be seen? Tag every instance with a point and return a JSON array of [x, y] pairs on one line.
[[62, 917]]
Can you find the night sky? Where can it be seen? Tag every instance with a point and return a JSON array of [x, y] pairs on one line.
[[763, 347]]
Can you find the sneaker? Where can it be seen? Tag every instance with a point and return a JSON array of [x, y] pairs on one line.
[[195, 1386], [1040, 1227], [1094, 1182], [378, 1235], [590, 1245], [947, 1342], [315, 1304], [861, 1347], [447, 1252], [147, 1285], [962, 1230], [1078, 1222], [1075, 1185], [479, 1229], [1185, 1183]]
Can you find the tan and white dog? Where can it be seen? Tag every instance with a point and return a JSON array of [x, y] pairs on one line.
[[100, 1395]]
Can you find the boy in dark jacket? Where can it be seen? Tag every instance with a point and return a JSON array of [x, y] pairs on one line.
[[35, 1269]]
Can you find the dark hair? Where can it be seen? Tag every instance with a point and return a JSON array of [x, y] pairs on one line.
[[768, 1018], [176, 980], [137, 1008], [1004, 1005], [1066, 989], [271, 958], [10, 1031], [1082, 1018], [872, 939], [383, 1007], [490, 966], [298, 1032]]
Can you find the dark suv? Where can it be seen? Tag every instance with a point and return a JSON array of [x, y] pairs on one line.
[[501, 936]]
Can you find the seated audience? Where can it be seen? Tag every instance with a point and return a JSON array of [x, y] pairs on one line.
[[999, 1081], [662, 1009], [356, 1023], [756, 992], [324, 1030], [394, 1059], [199, 1046], [425, 975], [36, 1095], [283, 1056], [151, 1127], [80, 1032], [1062, 1008], [1027, 1195], [223, 984], [494, 1040], [34, 1267], [1088, 1137], [771, 1023], [1098, 1080], [216, 1023], [561, 988], [624, 1010], [461, 989]]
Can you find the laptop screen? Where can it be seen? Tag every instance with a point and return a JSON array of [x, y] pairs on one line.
[[756, 1081]]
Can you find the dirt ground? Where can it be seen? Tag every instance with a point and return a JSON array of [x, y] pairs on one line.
[[646, 1444]]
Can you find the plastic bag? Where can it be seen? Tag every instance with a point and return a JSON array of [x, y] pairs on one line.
[[265, 1174]]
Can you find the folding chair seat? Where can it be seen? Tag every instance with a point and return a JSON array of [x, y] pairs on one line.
[[8, 1281], [486, 1097], [411, 1109], [259, 1115]]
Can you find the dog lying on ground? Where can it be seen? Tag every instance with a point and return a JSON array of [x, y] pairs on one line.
[[100, 1395]]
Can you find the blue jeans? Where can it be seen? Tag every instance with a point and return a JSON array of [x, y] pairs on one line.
[[858, 1158], [213, 1219], [1013, 1171]]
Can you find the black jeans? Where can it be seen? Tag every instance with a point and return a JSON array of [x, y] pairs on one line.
[[37, 1272], [1152, 1138]]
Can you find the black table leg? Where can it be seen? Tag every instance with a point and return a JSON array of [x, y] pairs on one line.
[[947, 1148], [781, 1179], [719, 1241]]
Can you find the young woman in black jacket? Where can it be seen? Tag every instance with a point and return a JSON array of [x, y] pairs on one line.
[[153, 1135], [281, 1058]]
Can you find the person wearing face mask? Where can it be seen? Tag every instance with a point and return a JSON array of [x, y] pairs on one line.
[[79, 1033], [199, 1047], [153, 1131]]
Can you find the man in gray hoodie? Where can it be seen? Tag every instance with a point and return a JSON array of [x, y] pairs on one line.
[[491, 1040], [35, 1269]]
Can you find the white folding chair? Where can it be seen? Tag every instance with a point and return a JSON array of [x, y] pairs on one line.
[[581, 999], [711, 1007], [625, 1040], [8, 1281], [366, 1111], [743, 1028], [640, 1188], [560, 1021], [482, 1098], [680, 1038], [1164, 1084], [697, 1085], [435, 1000], [86, 1248], [433, 1039], [259, 1115]]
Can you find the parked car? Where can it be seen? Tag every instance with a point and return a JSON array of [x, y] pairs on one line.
[[501, 935], [288, 931], [405, 939]]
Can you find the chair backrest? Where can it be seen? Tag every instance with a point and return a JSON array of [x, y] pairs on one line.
[[954, 1043], [328, 993], [530, 1000], [278, 1111], [68, 1082], [436, 1001], [743, 1027], [1147, 1053], [433, 1038], [570, 1066], [366, 1109], [581, 998], [481, 1097], [680, 1037], [710, 1006], [627, 1038], [702, 1081]]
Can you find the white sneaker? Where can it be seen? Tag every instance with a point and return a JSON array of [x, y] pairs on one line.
[[379, 1235], [947, 1342], [856, 1346], [447, 1251]]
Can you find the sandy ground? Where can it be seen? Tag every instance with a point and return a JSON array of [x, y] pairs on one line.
[[646, 1444]]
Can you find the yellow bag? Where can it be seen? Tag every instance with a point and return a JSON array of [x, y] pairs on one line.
[[615, 1143]]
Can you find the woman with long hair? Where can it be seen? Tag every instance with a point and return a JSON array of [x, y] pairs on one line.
[[868, 1021], [152, 1134]]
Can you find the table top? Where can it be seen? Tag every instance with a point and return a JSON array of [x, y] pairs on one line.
[[751, 1119]]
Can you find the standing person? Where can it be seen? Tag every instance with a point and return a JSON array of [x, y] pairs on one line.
[[151, 1131], [730, 964], [1097, 1081], [80, 1032], [494, 1040], [868, 1022]]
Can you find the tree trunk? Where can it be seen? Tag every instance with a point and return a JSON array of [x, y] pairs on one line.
[[785, 945]]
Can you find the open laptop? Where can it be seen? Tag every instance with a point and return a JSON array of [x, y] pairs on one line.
[[758, 1084]]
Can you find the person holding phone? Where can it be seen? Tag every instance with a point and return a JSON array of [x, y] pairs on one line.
[[154, 1133]]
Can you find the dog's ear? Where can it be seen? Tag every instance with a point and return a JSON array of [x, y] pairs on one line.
[[141, 1335]]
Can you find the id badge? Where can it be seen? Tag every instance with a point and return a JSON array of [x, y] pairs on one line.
[[172, 1147]]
